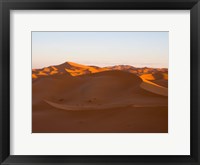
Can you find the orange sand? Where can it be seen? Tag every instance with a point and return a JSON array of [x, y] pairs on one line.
[[93, 99]]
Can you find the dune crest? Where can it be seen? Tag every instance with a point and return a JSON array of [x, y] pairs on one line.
[[154, 88]]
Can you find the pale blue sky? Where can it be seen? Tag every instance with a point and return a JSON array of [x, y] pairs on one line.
[[138, 49]]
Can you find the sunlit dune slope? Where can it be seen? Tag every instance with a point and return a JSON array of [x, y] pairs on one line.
[[159, 78], [154, 88], [71, 68]]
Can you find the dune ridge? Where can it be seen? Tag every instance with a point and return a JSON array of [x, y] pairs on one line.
[[75, 69]]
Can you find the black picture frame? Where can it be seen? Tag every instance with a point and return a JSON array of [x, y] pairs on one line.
[[7, 5]]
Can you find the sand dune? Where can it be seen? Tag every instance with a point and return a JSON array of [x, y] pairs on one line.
[[34, 76], [98, 88], [159, 78], [95, 99], [75, 69], [154, 88]]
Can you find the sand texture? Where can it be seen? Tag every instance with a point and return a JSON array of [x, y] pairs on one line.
[[74, 98]]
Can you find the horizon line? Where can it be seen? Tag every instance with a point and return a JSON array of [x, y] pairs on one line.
[[100, 66]]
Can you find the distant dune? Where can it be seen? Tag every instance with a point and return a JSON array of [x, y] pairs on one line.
[[94, 99]]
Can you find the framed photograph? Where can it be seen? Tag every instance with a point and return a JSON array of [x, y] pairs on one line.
[[116, 87], [99, 82]]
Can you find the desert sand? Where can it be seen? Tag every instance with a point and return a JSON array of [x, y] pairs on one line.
[[74, 98]]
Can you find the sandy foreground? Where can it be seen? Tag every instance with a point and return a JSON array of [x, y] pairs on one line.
[[98, 101], [122, 120]]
